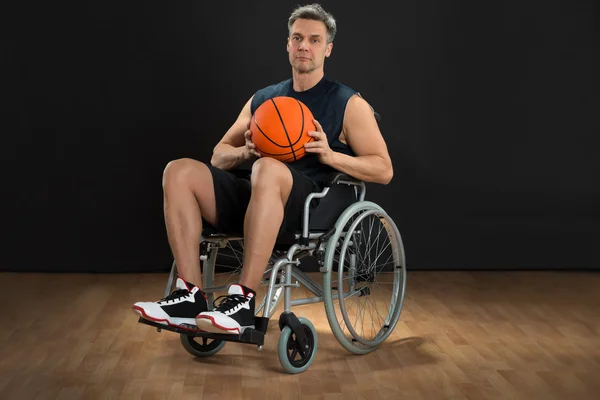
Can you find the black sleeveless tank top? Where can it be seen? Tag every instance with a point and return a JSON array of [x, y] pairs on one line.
[[327, 101]]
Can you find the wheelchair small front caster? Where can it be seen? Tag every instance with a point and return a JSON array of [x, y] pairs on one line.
[[293, 359]]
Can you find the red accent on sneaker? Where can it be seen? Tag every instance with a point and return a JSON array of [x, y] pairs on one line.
[[187, 286], [204, 295], [246, 291], [186, 283]]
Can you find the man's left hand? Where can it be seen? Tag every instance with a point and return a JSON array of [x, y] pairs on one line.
[[320, 145]]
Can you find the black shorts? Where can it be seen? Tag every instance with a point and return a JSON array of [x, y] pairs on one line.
[[232, 195]]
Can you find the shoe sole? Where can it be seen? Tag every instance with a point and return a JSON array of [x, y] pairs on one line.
[[208, 324], [140, 311]]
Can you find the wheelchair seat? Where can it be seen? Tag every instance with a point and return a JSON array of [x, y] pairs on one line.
[[322, 215]]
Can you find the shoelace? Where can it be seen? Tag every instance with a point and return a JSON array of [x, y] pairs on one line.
[[229, 302], [175, 295]]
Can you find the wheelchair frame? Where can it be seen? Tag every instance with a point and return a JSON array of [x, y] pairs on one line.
[[294, 329]]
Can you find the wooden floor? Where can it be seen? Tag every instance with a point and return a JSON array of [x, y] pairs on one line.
[[462, 335]]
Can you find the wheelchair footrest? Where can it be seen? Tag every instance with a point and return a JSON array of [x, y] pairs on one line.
[[251, 336]]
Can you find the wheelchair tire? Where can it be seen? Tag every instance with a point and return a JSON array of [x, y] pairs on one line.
[[287, 348], [341, 241], [201, 349]]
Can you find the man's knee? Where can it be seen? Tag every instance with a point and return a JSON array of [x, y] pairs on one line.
[[181, 171], [268, 173]]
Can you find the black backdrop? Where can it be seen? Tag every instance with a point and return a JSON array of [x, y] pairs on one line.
[[490, 111]]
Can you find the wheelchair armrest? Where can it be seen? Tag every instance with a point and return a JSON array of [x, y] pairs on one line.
[[341, 177]]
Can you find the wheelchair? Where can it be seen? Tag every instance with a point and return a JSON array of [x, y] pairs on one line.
[[360, 255]]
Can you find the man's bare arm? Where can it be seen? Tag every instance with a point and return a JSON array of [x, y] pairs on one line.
[[232, 150], [372, 162]]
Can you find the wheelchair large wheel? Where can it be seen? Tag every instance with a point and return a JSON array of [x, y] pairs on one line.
[[292, 359], [365, 277]]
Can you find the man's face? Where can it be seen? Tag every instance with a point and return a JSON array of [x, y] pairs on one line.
[[307, 45]]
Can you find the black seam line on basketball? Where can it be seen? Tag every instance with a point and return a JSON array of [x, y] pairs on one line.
[[302, 111], [284, 128], [312, 139], [271, 154], [302, 129], [291, 158], [268, 138], [298, 155], [293, 145]]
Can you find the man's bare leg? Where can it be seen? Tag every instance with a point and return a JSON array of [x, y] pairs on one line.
[[186, 201], [271, 187]]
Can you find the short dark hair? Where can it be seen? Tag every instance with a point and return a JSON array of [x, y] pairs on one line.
[[316, 13]]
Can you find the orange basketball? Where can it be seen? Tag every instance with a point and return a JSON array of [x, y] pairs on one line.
[[280, 128]]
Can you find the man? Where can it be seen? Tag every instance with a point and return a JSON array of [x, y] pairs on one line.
[[347, 140]]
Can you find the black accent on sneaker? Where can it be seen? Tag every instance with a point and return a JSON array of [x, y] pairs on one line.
[[247, 290], [184, 309]]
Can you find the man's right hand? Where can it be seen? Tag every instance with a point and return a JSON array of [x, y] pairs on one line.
[[250, 146], [231, 151]]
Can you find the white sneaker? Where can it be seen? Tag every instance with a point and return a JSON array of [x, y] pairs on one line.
[[233, 314], [180, 307]]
